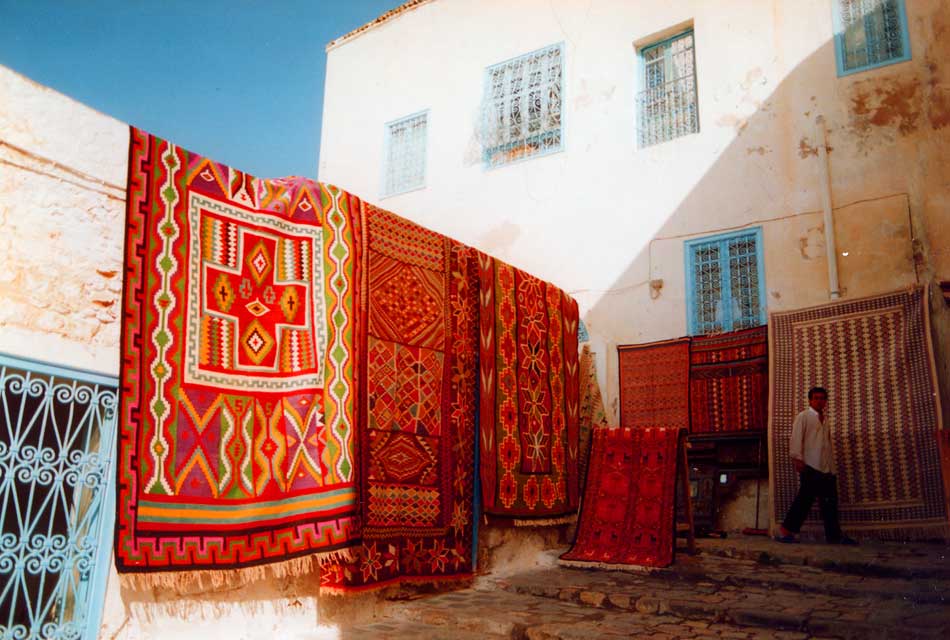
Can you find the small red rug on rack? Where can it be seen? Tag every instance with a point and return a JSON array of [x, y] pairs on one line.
[[729, 381], [654, 384], [627, 516]]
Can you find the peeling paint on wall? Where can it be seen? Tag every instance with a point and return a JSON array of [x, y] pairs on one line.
[[886, 102]]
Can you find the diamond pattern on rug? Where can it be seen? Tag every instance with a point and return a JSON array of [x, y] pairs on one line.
[[875, 357], [407, 303], [654, 384], [405, 386]]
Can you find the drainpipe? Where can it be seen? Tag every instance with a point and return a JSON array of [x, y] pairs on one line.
[[825, 174]]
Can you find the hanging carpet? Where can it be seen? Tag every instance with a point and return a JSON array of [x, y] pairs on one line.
[[529, 388], [627, 516], [418, 330], [591, 413], [875, 357], [230, 453], [729, 381], [654, 384]]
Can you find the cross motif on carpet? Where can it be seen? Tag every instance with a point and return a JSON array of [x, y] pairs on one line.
[[250, 295]]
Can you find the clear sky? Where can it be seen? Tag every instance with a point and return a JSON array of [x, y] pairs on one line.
[[240, 81]]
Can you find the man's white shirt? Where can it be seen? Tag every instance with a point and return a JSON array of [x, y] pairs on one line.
[[811, 441]]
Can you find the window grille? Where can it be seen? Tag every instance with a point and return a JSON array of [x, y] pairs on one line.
[[725, 282], [522, 113], [870, 33], [56, 499], [406, 154], [667, 105]]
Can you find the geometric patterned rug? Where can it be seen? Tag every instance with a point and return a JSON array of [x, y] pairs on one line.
[[418, 334], [654, 384], [627, 516], [230, 455], [875, 357], [728, 381], [529, 386]]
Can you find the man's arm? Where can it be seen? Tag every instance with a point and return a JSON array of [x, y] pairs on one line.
[[795, 443]]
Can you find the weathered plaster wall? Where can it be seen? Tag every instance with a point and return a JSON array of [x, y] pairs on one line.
[[602, 218], [738, 510], [62, 202]]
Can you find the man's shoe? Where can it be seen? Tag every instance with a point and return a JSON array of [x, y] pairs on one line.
[[848, 542], [789, 539]]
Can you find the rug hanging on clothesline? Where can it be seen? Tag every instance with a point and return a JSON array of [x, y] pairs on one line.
[[591, 413], [529, 396], [654, 384], [627, 516], [875, 357], [729, 381], [418, 333], [230, 453]]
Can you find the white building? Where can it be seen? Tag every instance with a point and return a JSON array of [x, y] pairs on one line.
[[592, 143]]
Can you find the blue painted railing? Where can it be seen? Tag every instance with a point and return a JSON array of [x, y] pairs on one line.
[[57, 442]]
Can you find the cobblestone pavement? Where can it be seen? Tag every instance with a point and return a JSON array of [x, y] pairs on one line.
[[764, 590]]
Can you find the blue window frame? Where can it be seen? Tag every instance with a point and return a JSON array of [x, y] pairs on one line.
[[667, 105], [405, 154], [869, 34], [521, 115], [725, 282], [57, 499]]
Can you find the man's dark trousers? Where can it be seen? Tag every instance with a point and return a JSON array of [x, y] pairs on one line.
[[815, 484]]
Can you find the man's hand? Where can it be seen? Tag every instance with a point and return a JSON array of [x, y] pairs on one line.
[[798, 464]]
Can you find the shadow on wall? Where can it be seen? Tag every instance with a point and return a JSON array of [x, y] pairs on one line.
[[888, 144]]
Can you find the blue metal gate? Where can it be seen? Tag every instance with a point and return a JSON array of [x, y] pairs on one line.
[[57, 504]]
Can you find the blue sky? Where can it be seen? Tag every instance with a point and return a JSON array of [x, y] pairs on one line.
[[238, 80]]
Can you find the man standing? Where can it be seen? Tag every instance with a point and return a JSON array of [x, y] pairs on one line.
[[810, 450]]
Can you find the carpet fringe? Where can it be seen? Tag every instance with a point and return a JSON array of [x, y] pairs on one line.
[[630, 568], [461, 579], [545, 522], [225, 578], [897, 532]]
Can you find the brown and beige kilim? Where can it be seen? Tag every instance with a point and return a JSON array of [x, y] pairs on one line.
[[654, 384], [592, 413], [875, 357]]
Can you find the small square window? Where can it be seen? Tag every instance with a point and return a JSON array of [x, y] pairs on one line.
[[522, 107], [667, 105], [405, 168], [869, 34], [725, 282]]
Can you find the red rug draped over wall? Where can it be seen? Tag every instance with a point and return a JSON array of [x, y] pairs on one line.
[[418, 331], [230, 453], [654, 384], [729, 381], [529, 386]]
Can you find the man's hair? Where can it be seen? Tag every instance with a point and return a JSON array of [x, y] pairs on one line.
[[815, 390]]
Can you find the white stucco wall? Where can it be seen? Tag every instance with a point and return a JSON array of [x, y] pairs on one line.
[[602, 218]]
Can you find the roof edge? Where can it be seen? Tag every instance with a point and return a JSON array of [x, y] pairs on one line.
[[386, 17]]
